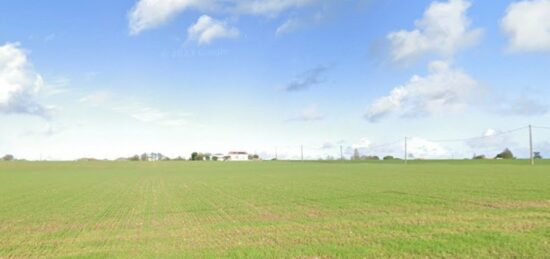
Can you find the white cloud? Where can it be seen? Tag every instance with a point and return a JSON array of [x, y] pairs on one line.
[[289, 25], [207, 29], [149, 14], [445, 89], [19, 83], [527, 25], [444, 29], [297, 23]]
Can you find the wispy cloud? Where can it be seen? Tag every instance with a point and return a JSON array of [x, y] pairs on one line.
[[47, 131], [522, 105], [136, 109], [97, 98], [149, 114], [149, 14], [308, 79], [296, 23]]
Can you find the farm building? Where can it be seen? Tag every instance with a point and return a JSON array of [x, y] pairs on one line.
[[219, 157], [238, 156]]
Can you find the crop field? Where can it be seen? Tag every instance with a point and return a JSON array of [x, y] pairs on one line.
[[275, 209]]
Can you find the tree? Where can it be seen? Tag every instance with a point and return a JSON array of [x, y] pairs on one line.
[[195, 156], [506, 154], [8, 157], [134, 158], [144, 157], [479, 157], [389, 158], [356, 155], [537, 155]]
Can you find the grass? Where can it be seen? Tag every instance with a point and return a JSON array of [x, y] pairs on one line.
[[275, 209]]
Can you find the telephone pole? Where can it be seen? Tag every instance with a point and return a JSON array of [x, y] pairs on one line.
[[341, 153], [302, 152], [276, 154], [531, 156], [406, 152]]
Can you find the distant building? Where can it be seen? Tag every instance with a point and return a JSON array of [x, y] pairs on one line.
[[219, 157], [238, 156]]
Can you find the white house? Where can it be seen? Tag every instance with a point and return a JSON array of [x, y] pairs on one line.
[[218, 157], [238, 156]]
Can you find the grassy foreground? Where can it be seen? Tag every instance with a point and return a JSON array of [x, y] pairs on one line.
[[275, 209]]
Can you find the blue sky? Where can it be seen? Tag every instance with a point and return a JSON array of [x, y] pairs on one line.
[[113, 78]]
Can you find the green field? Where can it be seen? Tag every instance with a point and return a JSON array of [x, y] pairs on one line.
[[275, 209]]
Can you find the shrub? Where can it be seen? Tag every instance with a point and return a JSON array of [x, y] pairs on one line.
[[479, 157], [8, 158], [506, 154]]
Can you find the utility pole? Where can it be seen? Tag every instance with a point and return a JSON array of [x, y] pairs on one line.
[[302, 152], [276, 154], [341, 153], [406, 152], [532, 157]]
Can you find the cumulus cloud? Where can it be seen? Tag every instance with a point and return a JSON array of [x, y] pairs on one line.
[[19, 83], [443, 30], [445, 89], [527, 25], [308, 79], [207, 29], [149, 14]]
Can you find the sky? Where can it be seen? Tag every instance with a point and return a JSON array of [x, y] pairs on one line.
[[109, 79]]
